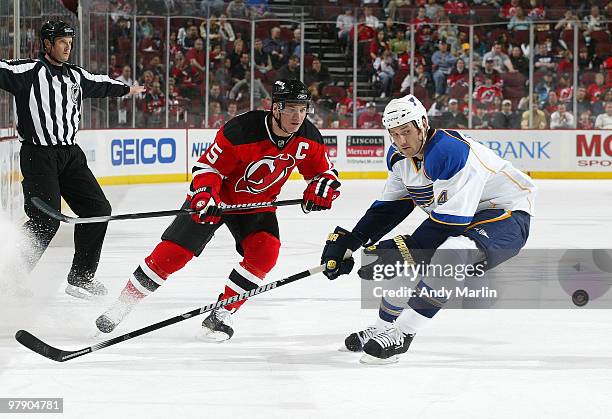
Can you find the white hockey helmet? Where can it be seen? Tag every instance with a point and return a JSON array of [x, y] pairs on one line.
[[403, 110]]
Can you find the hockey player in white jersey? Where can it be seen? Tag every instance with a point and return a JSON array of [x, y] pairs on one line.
[[479, 208]]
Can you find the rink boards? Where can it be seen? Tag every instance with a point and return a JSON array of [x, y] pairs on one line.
[[133, 156], [145, 156]]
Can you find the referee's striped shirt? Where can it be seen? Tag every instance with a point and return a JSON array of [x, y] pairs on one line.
[[48, 98]]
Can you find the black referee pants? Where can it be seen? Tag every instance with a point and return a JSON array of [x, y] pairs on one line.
[[51, 173]]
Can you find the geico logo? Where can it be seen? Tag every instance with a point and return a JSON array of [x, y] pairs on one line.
[[143, 151], [591, 148]]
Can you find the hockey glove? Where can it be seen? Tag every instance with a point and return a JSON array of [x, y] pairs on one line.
[[336, 247], [320, 193], [387, 253], [205, 201]]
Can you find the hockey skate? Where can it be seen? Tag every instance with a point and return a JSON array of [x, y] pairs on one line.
[[385, 347], [355, 341], [217, 327], [85, 289], [108, 321]]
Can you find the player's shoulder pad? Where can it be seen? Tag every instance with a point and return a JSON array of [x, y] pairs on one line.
[[445, 155], [248, 127], [310, 132], [393, 156]]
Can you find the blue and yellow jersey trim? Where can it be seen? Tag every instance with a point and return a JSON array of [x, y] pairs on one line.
[[506, 214], [393, 156], [447, 219]]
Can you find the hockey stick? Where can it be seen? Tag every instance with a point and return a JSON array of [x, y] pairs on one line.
[[53, 213], [33, 343]]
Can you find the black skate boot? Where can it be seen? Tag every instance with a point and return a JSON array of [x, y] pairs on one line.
[[385, 347], [355, 341], [217, 327]]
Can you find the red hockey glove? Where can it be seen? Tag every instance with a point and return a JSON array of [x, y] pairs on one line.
[[206, 201], [320, 193]]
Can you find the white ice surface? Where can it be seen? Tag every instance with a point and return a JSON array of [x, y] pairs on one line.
[[283, 361]]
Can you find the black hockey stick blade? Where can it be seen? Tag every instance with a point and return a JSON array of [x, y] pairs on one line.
[[36, 345], [53, 213]]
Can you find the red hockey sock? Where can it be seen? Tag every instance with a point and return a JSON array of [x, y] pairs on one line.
[[260, 255], [166, 258]]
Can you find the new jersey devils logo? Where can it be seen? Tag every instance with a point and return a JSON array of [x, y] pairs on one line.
[[265, 172]]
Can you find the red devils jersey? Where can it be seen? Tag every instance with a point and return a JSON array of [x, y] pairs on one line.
[[244, 165]]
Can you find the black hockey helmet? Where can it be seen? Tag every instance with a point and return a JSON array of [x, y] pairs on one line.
[[290, 91], [53, 29]]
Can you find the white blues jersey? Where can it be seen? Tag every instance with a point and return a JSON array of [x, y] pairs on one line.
[[457, 178]]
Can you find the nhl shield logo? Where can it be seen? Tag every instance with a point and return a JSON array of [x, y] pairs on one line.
[[75, 91]]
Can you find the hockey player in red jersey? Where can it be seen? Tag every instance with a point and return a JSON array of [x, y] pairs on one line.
[[249, 161]]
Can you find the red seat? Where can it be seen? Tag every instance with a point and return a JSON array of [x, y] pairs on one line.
[[555, 13], [513, 79], [421, 93], [556, 4], [405, 13], [308, 58], [487, 14], [124, 45], [286, 34], [261, 33], [335, 93], [520, 37], [271, 76], [568, 37], [457, 92], [400, 75], [603, 49], [600, 36], [514, 93], [541, 36]]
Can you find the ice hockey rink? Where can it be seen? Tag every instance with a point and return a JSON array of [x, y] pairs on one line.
[[283, 360]]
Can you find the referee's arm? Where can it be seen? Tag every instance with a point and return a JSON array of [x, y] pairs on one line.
[[99, 85], [14, 75]]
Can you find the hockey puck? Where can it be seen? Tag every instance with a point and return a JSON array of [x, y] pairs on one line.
[[585, 272], [580, 298]]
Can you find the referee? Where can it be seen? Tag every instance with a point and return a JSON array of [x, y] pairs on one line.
[[48, 97]]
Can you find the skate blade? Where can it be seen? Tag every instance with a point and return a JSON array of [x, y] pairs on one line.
[[81, 293], [372, 360], [343, 348], [213, 336]]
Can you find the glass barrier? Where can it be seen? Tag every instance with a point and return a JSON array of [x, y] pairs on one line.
[[203, 62]]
